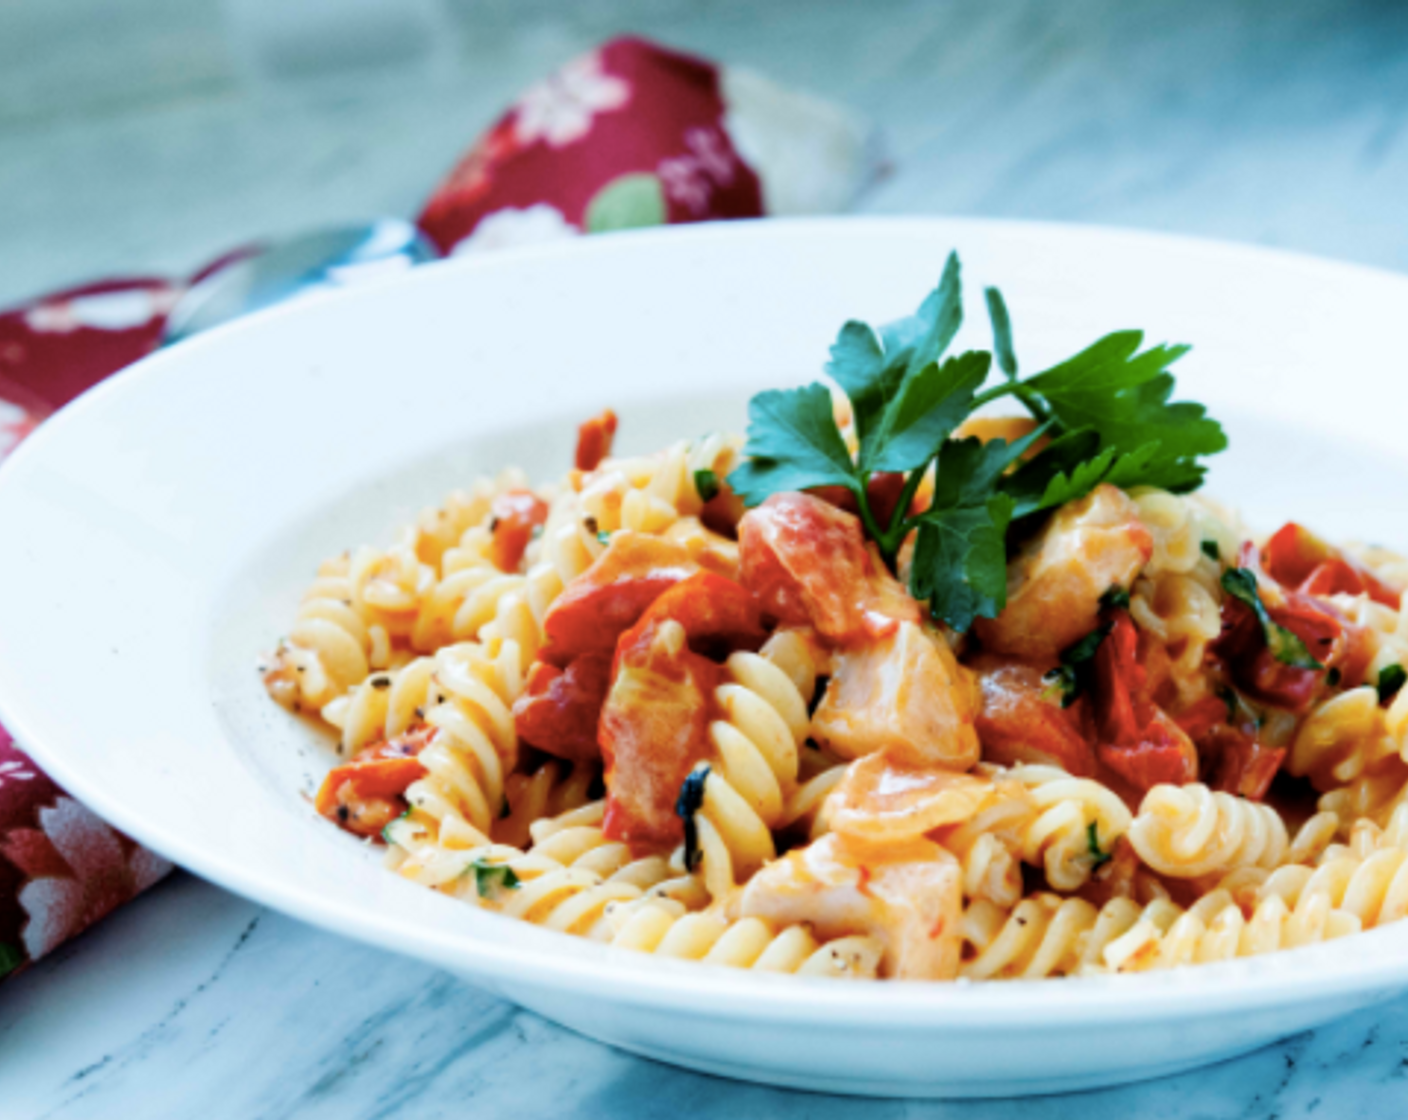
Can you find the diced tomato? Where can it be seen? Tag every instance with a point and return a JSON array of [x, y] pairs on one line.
[[513, 517], [559, 709], [1296, 558], [1292, 553], [1018, 723], [609, 597], [808, 564], [1333, 577], [365, 795], [594, 440]]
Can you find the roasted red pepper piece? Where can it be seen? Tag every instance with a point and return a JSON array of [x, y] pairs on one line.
[[1238, 764], [1019, 723], [514, 515], [1138, 741], [559, 709], [365, 795], [1162, 755], [1200, 718], [594, 440], [1295, 557], [609, 597]]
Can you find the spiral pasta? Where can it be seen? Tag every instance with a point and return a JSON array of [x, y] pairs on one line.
[[1189, 831], [1048, 935], [345, 627], [1073, 823], [1341, 740], [1372, 796], [575, 883], [1183, 613], [553, 789], [666, 929], [466, 694], [748, 789], [988, 846]]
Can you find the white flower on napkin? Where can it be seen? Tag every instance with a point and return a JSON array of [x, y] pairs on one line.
[[103, 878], [511, 227], [104, 311], [560, 109]]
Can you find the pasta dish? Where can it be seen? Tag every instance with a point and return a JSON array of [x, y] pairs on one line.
[[945, 671]]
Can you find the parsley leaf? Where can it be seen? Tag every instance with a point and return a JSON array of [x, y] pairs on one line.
[[960, 554], [706, 484], [928, 407], [491, 879], [794, 444], [960, 561], [1288, 649], [1391, 679], [1212, 551], [1001, 333], [1123, 394], [858, 365], [921, 339]]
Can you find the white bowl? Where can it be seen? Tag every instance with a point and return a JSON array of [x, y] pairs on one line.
[[159, 531]]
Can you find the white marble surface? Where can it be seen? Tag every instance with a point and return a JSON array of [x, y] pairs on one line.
[[151, 135]]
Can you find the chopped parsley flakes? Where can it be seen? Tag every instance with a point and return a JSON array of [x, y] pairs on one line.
[[1391, 680], [690, 800], [492, 879]]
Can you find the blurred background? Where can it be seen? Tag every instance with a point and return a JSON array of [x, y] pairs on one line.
[[151, 135]]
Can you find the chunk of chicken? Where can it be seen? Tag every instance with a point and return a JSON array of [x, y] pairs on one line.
[[558, 709], [905, 693], [885, 801], [654, 727], [808, 563], [1055, 584], [654, 723], [907, 896]]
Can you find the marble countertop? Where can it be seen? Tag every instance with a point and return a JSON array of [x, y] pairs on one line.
[[154, 141]]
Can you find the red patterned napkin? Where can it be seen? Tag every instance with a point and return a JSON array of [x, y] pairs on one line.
[[628, 135]]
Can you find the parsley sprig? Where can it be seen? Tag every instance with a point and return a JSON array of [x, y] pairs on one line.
[[1105, 413]]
